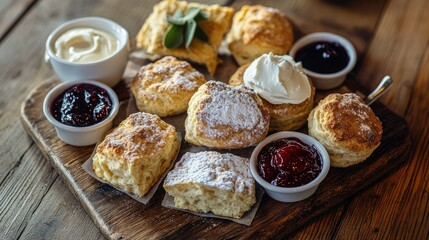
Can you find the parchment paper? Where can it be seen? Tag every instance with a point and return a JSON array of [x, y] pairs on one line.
[[246, 219]]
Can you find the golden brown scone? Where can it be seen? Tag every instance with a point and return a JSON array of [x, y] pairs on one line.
[[151, 34], [347, 127], [165, 87], [212, 182], [136, 153], [256, 30], [284, 117], [225, 117]]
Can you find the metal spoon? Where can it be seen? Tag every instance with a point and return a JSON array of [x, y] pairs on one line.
[[382, 88]]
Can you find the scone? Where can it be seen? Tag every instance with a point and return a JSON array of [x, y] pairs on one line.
[[212, 182], [347, 127], [256, 30], [225, 117], [135, 154], [150, 37], [284, 116], [165, 87]]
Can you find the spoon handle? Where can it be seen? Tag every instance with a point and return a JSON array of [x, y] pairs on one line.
[[382, 88]]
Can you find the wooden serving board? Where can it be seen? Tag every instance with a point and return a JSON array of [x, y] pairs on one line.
[[119, 216]]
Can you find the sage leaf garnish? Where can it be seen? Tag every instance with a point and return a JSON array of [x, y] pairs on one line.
[[190, 32], [173, 38], [183, 28]]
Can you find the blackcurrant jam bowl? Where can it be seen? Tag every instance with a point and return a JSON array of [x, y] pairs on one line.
[[296, 193], [75, 135], [326, 81]]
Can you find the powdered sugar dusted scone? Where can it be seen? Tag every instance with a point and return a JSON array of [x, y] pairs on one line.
[[347, 127], [225, 117], [257, 30], [212, 182], [165, 87], [136, 153]]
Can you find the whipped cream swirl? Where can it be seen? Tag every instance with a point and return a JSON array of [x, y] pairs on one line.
[[278, 79], [85, 45]]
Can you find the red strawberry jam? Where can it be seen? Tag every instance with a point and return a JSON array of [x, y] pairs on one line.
[[289, 162], [82, 105]]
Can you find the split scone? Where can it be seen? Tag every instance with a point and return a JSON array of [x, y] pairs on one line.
[[135, 154], [150, 37], [225, 117], [165, 87], [347, 127], [256, 30], [285, 90], [212, 182]]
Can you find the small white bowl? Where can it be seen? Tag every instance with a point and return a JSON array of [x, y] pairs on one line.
[[80, 136], [290, 194], [108, 70], [332, 80]]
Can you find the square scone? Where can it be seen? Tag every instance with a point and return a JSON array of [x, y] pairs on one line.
[[137, 153], [212, 182]]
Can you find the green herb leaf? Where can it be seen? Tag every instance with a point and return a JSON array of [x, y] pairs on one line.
[[191, 25], [173, 38], [178, 14], [184, 28], [177, 18], [191, 13], [200, 34]]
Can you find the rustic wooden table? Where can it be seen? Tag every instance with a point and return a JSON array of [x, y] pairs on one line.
[[391, 37]]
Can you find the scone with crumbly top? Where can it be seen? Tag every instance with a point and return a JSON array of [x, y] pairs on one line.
[[137, 153], [212, 182]]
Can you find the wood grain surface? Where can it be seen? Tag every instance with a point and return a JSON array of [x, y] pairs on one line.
[[119, 216], [391, 37]]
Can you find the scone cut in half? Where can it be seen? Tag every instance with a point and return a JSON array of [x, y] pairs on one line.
[[134, 155], [284, 88], [151, 35], [257, 30], [212, 182], [165, 87], [225, 117], [347, 127]]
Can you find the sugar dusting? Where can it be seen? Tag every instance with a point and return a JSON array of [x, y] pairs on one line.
[[138, 134], [172, 73], [353, 104], [229, 107], [224, 171]]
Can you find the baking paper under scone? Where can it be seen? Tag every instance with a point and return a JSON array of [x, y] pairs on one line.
[[87, 166], [246, 219]]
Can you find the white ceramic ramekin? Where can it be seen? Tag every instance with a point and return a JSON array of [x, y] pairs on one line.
[[80, 136], [108, 70], [290, 194], [332, 80]]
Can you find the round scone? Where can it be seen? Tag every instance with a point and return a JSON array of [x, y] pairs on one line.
[[165, 87], [135, 154], [256, 30], [225, 117], [210, 181], [284, 117], [347, 127]]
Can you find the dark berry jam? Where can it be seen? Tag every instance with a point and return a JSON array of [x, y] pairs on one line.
[[82, 105], [323, 57], [288, 162]]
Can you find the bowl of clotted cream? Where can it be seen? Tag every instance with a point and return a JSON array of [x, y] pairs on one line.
[[88, 48]]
